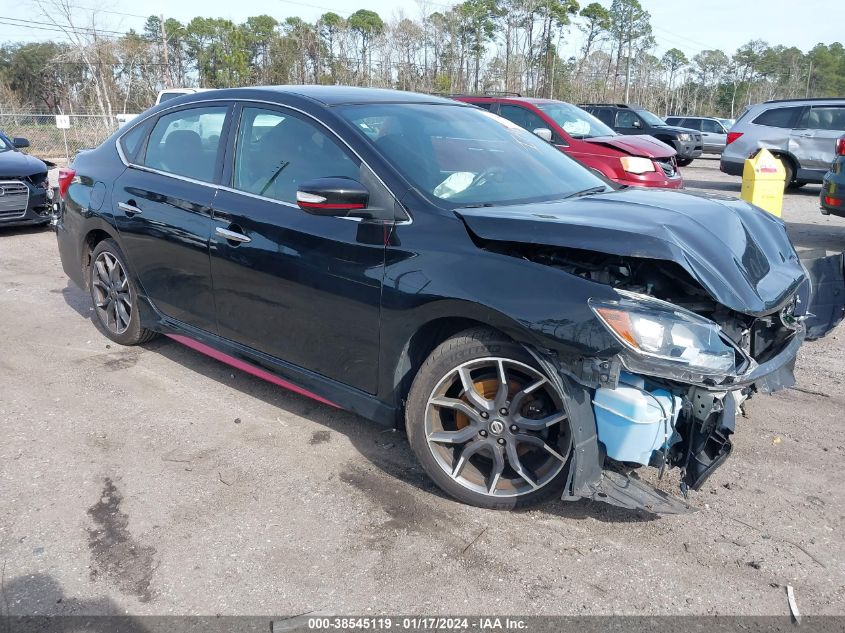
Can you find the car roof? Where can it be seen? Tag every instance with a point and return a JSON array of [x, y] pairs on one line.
[[534, 100], [329, 95]]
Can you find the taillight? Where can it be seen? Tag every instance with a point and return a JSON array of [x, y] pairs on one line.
[[840, 146], [833, 202], [66, 176], [732, 136]]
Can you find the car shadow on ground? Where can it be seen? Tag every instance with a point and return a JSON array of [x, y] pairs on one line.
[[30, 602]]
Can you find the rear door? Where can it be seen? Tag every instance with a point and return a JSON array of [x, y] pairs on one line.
[[299, 287], [162, 206], [813, 142]]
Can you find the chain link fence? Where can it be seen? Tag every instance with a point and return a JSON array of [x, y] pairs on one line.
[[48, 142]]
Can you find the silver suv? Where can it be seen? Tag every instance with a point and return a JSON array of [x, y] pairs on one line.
[[801, 132], [714, 135]]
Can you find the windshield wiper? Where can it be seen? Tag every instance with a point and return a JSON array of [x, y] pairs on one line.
[[587, 192]]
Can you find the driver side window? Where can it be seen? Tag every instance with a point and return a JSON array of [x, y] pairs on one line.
[[523, 117], [277, 150], [626, 119]]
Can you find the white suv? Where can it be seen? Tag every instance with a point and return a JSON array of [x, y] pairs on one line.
[[801, 132]]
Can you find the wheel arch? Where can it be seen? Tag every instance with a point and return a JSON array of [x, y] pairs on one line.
[[96, 232], [424, 339]]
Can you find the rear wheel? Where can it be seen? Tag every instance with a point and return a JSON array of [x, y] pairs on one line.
[[114, 296], [487, 425], [683, 162], [789, 173]]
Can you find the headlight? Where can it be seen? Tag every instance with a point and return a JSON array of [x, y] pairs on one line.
[[637, 164], [684, 137], [663, 335]]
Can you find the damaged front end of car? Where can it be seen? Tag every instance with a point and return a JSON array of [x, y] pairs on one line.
[[704, 317]]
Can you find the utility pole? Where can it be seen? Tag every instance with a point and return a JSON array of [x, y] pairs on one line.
[[809, 74], [167, 80], [628, 64]]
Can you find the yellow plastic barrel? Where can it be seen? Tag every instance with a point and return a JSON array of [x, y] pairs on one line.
[[762, 182]]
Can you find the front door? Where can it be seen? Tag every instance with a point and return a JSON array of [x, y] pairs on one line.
[[162, 206], [302, 288]]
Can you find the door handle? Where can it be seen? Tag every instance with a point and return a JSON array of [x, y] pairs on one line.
[[129, 207], [232, 236]]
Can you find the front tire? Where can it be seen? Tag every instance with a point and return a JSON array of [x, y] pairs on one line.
[[115, 296], [683, 162], [487, 425]]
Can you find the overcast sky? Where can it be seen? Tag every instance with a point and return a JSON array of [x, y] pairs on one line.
[[691, 25]]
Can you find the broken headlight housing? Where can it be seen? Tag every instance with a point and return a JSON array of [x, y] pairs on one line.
[[662, 339]]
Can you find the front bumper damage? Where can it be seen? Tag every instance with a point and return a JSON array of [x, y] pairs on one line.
[[709, 414]]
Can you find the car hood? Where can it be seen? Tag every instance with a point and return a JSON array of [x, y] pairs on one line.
[[637, 145], [739, 254], [16, 165], [675, 128]]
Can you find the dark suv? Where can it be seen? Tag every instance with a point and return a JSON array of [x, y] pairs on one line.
[[418, 260], [627, 119]]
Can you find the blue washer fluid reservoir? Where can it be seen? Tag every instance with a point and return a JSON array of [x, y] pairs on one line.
[[633, 422]]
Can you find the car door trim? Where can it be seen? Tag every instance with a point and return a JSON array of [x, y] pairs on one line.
[[409, 219]]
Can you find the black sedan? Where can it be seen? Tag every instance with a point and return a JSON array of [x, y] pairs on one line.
[[832, 198], [425, 263], [25, 195]]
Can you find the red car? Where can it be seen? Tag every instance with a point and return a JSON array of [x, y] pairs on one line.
[[629, 160]]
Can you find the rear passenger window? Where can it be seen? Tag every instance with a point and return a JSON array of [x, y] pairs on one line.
[[185, 143], [712, 127], [276, 151], [131, 142], [826, 118], [779, 117]]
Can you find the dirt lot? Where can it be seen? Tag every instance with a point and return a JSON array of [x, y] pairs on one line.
[[156, 481]]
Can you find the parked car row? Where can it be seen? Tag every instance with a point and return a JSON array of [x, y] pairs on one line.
[[424, 263], [627, 160], [627, 119]]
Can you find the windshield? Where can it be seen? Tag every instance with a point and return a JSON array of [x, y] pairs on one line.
[[575, 121], [462, 156], [5, 144], [651, 118]]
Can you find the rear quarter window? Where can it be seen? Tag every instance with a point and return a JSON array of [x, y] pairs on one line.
[[779, 117], [131, 142]]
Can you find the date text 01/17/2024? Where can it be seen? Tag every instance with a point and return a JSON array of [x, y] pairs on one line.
[[415, 623]]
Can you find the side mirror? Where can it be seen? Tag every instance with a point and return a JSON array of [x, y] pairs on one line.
[[19, 142], [333, 196], [543, 133], [637, 124]]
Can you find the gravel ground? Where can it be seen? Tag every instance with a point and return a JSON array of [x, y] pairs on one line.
[[156, 481]]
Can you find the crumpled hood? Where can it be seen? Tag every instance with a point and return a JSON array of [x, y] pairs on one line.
[[16, 165], [636, 145], [738, 253]]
